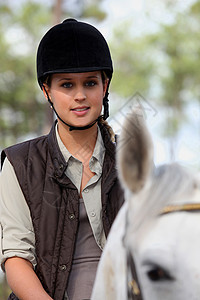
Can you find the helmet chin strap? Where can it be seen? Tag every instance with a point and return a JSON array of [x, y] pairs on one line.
[[106, 106], [71, 127]]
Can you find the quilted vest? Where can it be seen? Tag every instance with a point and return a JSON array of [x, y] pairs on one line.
[[53, 202]]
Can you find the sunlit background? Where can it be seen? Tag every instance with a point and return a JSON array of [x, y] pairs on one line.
[[155, 47]]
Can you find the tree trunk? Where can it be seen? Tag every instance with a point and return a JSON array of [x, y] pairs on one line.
[[57, 11]]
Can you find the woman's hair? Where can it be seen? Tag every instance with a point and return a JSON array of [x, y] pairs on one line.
[[101, 119], [105, 124], [48, 80]]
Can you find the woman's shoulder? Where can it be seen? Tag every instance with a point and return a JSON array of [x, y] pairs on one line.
[[20, 150]]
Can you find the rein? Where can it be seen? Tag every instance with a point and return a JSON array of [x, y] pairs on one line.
[[133, 288]]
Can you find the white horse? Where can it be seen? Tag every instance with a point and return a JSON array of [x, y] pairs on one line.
[[157, 229]]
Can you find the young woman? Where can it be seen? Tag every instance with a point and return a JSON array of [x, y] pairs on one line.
[[59, 194]]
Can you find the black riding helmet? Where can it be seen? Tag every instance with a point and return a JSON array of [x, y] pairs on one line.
[[74, 47]]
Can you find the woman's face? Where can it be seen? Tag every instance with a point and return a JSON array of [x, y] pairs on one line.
[[77, 97]]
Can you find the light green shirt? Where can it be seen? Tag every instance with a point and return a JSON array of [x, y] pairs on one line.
[[17, 234], [92, 191]]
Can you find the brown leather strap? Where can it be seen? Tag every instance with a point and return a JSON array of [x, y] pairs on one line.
[[133, 288]]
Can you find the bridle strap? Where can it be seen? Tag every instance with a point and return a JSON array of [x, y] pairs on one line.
[[133, 289], [132, 283], [180, 208]]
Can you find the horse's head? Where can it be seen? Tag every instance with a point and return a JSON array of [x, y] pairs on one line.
[[163, 219]]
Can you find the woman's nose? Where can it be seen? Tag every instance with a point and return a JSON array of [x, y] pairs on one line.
[[80, 94]]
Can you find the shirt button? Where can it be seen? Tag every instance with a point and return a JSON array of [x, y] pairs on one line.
[[72, 216], [86, 191], [93, 214], [62, 267]]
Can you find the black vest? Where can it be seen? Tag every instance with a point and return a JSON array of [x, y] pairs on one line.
[[53, 202]]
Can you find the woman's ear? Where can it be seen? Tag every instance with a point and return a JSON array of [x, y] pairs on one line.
[[46, 90], [105, 85]]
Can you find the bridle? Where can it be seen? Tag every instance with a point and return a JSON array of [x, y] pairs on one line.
[[180, 208], [133, 288]]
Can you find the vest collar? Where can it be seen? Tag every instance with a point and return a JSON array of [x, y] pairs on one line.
[[59, 162]]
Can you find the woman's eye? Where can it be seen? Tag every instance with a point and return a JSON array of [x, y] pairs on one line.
[[91, 83], [158, 274], [67, 85]]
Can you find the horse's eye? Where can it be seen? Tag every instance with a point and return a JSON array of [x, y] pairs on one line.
[[158, 274]]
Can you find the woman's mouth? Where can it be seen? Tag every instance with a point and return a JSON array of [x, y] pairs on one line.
[[80, 111]]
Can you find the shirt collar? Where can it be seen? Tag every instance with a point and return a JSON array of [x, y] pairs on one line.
[[98, 153], [99, 148]]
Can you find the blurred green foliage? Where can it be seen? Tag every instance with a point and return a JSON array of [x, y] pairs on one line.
[[133, 64], [163, 65], [4, 289], [21, 110]]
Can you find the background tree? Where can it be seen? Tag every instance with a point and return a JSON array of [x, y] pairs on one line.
[[179, 44], [20, 107], [162, 65]]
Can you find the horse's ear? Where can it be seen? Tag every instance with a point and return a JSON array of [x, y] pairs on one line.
[[134, 152]]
